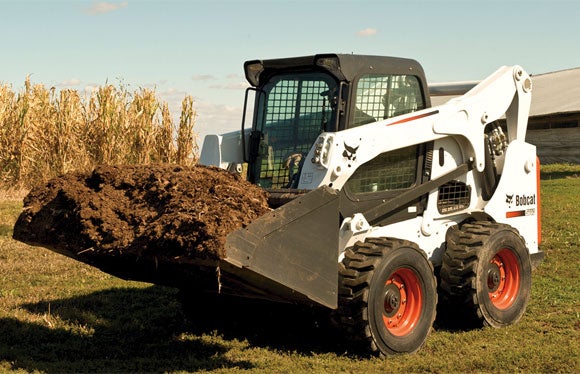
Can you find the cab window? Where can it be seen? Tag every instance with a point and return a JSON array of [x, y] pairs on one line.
[[384, 96]]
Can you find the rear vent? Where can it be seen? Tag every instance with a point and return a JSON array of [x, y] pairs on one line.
[[453, 197]]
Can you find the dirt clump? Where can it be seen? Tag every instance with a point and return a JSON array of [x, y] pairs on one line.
[[166, 212]]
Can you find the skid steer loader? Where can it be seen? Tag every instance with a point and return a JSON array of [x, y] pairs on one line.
[[375, 192]]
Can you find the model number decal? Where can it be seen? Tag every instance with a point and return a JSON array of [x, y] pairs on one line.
[[521, 213]]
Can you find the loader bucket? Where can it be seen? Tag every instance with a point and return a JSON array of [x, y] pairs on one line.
[[290, 253], [159, 224]]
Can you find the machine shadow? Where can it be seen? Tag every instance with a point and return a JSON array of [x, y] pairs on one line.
[[265, 324], [145, 330], [116, 330]]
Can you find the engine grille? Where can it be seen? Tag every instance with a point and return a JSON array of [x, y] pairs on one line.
[[453, 197]]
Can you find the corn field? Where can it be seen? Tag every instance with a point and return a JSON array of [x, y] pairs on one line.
[[48, 132]]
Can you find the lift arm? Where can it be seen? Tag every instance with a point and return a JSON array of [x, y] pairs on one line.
[[331, 160]]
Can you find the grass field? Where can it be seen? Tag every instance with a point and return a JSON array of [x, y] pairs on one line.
[[57, 315]]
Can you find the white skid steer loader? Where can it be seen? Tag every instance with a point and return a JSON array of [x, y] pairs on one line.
[[375, 192]]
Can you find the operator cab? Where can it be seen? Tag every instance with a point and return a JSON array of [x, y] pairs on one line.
[[297, 99]]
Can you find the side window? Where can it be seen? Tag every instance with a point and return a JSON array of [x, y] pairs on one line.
[[388, 171], [384, 96]]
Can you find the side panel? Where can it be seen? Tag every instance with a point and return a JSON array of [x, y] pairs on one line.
[[516, 201]]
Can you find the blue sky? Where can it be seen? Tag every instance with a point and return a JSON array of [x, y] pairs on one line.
[[198, 47]]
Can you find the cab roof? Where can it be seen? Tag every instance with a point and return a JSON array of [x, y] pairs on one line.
[[345, 67]]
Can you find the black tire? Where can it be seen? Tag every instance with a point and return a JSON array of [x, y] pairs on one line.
[[388, 295], [486, 273]]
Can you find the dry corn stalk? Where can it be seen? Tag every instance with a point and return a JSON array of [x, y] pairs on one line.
[[186, 144], [47, 132]]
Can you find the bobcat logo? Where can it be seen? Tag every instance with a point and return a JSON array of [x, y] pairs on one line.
[[509, 199], [349, 152]]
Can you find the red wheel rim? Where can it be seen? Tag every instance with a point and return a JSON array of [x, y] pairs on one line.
[[403, 301], [503, 279]]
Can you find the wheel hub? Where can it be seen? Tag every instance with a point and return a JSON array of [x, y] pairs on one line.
[[493, 277], [392, 300]]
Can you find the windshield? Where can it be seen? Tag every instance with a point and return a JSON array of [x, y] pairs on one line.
[[291, 111]]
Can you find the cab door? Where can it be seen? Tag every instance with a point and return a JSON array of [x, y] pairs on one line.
[[292, 110]]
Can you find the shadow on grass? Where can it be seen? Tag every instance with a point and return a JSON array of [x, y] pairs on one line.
[[264, 324], [559, 175], [117, 330], [144, 330]]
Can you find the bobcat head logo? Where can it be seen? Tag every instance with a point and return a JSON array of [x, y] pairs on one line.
[[349, 152], [509, 199]]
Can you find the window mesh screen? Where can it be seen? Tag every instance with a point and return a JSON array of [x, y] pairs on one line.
[[388, 171], [296, 113], [380, 97], [453, 196]]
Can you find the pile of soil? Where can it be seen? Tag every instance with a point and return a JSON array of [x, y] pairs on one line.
[[166, 212]]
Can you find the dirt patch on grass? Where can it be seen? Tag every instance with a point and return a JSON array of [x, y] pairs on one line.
[[168, 212]]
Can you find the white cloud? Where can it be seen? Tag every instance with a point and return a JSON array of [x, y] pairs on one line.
[[202, 77], [367, 32], [215, 118], [69, 82], [90, 88], [231, 86], [103, 7], [173, 92]]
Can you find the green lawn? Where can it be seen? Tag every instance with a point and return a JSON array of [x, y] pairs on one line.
[[58, 315]]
